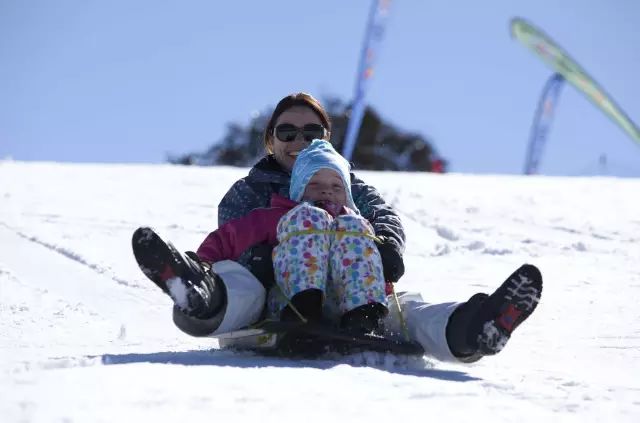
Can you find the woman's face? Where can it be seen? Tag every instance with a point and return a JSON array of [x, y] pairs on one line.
[[287, 152]]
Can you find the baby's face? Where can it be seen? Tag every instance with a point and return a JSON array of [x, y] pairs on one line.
[[326, 185]]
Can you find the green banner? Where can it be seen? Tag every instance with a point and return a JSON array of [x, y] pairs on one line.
[[558, 59]]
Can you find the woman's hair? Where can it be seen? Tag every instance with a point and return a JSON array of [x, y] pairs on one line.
[[293, 100]]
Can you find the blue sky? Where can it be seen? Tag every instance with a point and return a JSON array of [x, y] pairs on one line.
[[130, 81]]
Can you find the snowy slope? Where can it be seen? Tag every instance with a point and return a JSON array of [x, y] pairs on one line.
[[85, 337]]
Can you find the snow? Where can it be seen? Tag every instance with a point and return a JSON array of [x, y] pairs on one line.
[[85, 337], [178, 292]]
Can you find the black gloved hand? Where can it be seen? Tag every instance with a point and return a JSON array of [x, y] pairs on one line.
[[261, 264], [392, 263]]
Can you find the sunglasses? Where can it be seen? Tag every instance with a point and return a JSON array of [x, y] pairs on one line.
[[287, 132]]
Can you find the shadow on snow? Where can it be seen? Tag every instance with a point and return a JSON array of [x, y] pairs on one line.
[[404, 365]]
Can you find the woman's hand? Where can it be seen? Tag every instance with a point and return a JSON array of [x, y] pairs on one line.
[[392, 263]]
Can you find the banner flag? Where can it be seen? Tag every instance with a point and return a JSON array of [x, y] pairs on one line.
[[542, 122], [558, 59], [373, 36]]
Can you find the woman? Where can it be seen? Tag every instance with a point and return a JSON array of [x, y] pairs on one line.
[[232, 294]]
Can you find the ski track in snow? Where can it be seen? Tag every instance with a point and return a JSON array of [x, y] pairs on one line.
[[85, 337], [72, 255]]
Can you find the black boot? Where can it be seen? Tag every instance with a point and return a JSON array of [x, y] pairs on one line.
[[484, 324], [364, 319], [308, 303], [194, 288]]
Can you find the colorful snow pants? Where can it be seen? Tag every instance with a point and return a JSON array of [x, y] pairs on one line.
[[337, 256]]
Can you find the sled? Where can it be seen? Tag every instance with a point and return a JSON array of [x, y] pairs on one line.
[[297, 339]]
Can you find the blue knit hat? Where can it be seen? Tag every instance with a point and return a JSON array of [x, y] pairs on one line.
[[320, 154]]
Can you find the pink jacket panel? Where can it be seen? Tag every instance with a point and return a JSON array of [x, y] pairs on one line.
[[234, 237]]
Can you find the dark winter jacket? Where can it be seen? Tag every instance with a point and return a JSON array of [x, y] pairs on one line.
[[268, 177]]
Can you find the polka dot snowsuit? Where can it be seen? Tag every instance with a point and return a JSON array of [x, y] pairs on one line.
[[335, 255]]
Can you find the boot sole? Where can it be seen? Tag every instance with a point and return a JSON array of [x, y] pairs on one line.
[[157, 259], [519, 296]]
